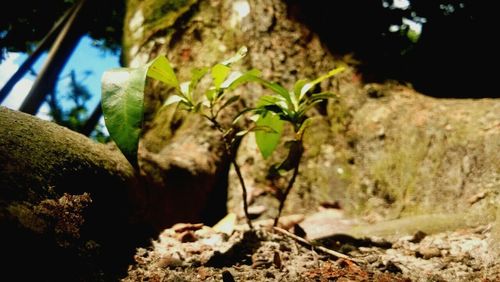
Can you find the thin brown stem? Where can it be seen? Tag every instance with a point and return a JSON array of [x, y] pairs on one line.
[[231, 156], [244, 190], [287, 191]]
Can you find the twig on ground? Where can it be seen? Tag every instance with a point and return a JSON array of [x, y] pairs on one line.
[[319, 248]]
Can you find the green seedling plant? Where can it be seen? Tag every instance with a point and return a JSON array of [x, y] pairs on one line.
[[123, 98], [287, 106], [123, 108], [215, 99]]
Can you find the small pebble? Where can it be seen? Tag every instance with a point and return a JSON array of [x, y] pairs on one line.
[[429, 252], [417, 237]]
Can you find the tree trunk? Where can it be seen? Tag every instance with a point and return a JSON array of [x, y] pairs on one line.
[[382, 151], [67, 203]]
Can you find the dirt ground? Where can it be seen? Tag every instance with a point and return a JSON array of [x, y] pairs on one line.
[[193, 252]]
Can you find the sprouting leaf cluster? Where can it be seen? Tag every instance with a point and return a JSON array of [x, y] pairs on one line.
[[223, 80], [287, 106], [123, 98]]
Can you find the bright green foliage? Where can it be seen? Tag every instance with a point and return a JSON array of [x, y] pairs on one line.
[[122, 104], [161, 70], [267, 141], [123, 98], [123, 101], [219, 74], [215, 98], [289, 106]]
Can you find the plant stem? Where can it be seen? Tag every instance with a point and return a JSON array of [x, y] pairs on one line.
[[287, 191], [231, 156], [244, 190]]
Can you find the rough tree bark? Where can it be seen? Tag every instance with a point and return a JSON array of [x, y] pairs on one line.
[[65, 203], [382, 151]]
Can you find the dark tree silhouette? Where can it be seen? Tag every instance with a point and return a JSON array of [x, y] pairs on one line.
[[447, 60], [101, 20]]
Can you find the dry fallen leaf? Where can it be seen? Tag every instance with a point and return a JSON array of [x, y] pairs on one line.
[[226, 225]]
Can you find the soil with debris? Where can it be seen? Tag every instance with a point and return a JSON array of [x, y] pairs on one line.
[[193, 252]]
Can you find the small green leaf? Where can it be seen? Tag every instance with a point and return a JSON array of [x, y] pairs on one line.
[[322, 96], [242, 52], [123, 101], [267, 100], [239, 78], [123, 107], [210, 94], [253, 75], [278, 89], [275, 104], [268, 141], [161, 70], [306, 107], [313, 100], [297, 88], [196, 75], [311, 84], [219, 74], [173, 99], [233, 76]]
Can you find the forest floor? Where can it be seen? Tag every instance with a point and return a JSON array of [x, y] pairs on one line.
[[193, 252]]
